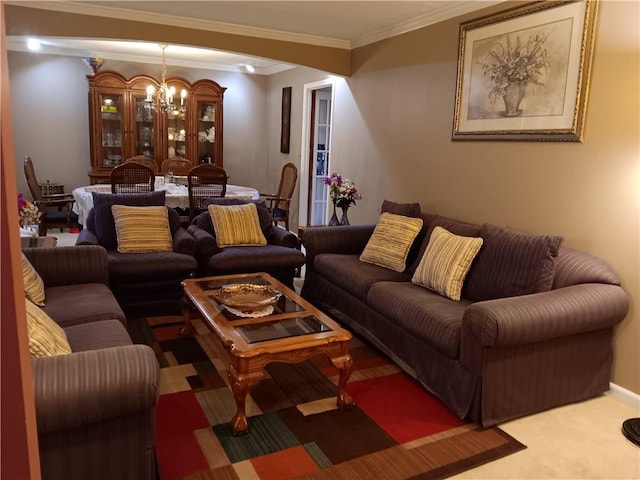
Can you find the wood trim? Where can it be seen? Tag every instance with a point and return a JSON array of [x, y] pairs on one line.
[[19, 457]]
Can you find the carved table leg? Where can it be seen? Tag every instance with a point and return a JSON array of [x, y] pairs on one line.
[[187, 329], [344, 364], [240, 384]]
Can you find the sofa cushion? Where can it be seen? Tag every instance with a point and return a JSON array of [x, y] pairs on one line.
[[433, 318], [104, 226], [75, 304], [142, 229], [454, 226], [96, 335], [352, 275], [46, 337], [236, 225], [269, 258], [446, 262], [391, 241], [127, 268], [406, 209], [33, 284], [511, 263]]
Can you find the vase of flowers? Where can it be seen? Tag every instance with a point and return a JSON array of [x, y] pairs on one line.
[[510, 66], [343, 193], [29, 216]]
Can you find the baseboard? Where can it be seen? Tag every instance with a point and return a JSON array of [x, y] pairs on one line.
[[624, 395]]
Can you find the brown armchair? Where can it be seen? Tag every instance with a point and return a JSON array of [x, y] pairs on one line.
[[278, 203], [56, 209]]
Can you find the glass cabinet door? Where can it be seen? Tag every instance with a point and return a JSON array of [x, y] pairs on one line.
[[176, 135], [144, 128], [111, 128], [206, 132]]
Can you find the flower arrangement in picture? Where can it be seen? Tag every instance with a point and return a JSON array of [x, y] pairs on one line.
[[28, 212], [342, 191], [509, 63]]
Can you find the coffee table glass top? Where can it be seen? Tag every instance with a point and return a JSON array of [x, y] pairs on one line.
[[291, 317]]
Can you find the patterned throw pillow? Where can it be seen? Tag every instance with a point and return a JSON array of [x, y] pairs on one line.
[[46, 337], [142, 229], [446, 262], [391, 241], [33, 284], [236, 225]]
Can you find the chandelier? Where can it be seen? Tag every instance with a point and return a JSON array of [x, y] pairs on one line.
[[163, 100]]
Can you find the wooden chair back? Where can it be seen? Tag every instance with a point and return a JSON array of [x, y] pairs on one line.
[[205, 181], [177, 165], [279, 203], [132, 177], [144, 160]]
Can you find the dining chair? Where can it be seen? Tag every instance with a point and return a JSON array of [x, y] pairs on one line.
[[144, 160], [176, 165], [205, 181], [56, 208], [278, 203], [132, 177]]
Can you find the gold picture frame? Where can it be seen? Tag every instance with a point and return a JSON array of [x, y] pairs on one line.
[[523, 74]]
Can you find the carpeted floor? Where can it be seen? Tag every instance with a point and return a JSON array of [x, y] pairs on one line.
[[395, 431]]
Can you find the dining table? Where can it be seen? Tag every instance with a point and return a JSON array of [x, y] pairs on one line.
[[177, 195]]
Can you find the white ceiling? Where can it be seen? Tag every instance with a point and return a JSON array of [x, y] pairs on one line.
[[339, 24]]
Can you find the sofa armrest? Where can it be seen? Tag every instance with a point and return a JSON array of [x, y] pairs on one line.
[[87, 237], [282, 237], [538, 317], [348, 239], [205, 242], [70, 265], [183, 242], [94, 386]]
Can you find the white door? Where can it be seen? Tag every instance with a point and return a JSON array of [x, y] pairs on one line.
[[319, 161]]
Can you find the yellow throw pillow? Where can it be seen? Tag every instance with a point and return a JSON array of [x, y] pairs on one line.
[[445, 262], [142, 229], [33, 284], [237, 225], [46, 337], [391, 241]]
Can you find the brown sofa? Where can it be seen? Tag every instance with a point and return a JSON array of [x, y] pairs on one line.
[[491, 358], [95, 407]]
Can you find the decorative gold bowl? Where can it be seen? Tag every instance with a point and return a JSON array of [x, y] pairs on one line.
[[246, 296]]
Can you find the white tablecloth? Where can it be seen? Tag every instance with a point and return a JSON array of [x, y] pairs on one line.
[[177, 196]]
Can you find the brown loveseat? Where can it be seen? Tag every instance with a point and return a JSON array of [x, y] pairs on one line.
[[95, 407], [491, 356]]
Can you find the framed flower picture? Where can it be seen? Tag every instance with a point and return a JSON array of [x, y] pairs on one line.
[[523, 74]]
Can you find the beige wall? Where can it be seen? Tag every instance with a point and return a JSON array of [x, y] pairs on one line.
[[392, 135]]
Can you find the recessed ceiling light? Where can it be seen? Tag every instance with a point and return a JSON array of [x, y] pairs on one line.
[[250, 68], [33, 44]]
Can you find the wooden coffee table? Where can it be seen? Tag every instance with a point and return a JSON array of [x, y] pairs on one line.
[[294, 332]]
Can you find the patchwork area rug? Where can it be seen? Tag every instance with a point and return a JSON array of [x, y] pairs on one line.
[[395, 431]]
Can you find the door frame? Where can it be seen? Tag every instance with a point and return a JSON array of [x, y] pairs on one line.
[[305, 149]]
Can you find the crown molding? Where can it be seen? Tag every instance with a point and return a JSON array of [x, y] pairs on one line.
[[184, 22], [446, 11]]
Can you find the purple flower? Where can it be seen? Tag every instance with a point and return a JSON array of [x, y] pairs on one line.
[[22, 202]]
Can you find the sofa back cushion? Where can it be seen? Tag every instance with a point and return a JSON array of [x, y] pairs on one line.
[[511, 263], [405, 209], [103, 223]]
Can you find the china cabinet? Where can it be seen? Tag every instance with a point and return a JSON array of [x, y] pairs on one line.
[[123, 124]]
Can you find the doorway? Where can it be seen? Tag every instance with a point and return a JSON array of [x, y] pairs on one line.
[[317, 120]]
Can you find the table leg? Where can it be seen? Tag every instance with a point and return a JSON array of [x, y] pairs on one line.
[[187, 329], [344, 364], [240, 385]]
